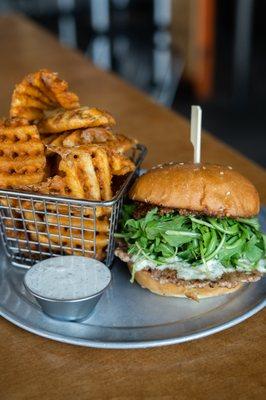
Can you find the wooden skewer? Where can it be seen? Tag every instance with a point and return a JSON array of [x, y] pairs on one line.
[[195, 132]]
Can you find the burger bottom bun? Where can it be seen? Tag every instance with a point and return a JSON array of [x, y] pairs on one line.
[[146, 281]]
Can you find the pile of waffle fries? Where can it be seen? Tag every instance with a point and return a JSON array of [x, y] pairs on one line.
[[53, 146]]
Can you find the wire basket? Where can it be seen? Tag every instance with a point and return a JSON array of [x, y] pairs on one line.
[[34, 226]]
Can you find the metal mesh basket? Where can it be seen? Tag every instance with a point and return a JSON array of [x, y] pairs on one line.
[[34, 226]]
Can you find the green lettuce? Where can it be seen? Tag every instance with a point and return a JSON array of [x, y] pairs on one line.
[[194, 239]]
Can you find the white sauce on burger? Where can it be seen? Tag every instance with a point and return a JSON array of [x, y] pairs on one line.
[[212, 270]]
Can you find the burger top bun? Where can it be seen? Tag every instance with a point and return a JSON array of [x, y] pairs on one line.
[[204, 188]]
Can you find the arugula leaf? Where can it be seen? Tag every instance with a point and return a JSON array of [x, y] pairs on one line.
[[251, 221], [193, 239], [127, 211]]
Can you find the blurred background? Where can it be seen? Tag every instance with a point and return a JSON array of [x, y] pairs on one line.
[[181, 52]]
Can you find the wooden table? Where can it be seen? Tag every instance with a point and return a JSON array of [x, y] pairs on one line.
[[226, 365]]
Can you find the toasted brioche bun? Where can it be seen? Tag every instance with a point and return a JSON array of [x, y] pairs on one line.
[[145, 280], [205, 188]]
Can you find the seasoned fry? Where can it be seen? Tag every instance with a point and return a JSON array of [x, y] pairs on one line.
[[14, 228], [32, 216], [40, 91], [101, 224], [54, 185], [81, 137], [19, 237], [80, 177], [86, 172], [61, 120], [22, 159], [71, 239], [120, 165], [57, 186], [53, 140], [88, 136], [74, 242], [48, 139], [13, 122], [53, 232], [121, 144], [103, 171]]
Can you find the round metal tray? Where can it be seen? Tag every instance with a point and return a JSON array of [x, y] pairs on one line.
[[128, 316]]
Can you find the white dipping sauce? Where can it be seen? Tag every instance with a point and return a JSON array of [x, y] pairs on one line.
[[67, 277]]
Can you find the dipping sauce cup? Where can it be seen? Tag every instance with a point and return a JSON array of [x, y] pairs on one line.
[[67, 287]]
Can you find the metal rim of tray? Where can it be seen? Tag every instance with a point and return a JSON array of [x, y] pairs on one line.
[[140, 344]]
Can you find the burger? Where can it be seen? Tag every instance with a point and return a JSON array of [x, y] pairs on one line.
[[190, 230]]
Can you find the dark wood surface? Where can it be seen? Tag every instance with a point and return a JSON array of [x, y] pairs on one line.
[[230, 364]]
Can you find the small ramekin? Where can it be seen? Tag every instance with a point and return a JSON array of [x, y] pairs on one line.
[[67, 310]]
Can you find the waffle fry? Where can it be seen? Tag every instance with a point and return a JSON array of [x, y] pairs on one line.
[[88, 136], [54, 185], [61, 120], [101, 225], [38, 229], [65, 233], [19, 237], [57, 186], [53, 140], [33, 218], [10, 204], [73, 241], [48, 139], [40, 91], [45, 243], [82, 137], [120, 165], [78, 234], [13, 122], [121, 144], [22, 159], [14, 229], [69, 239], [86, 172]]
